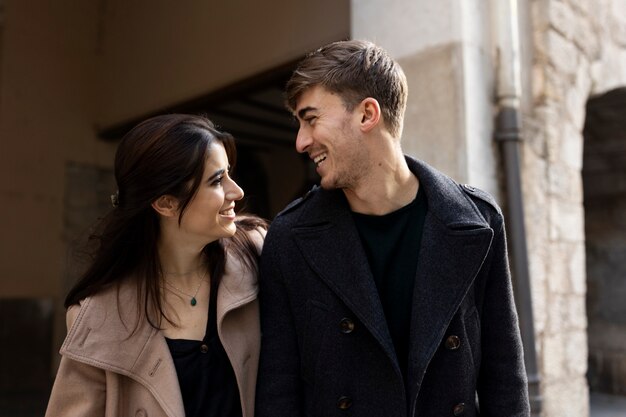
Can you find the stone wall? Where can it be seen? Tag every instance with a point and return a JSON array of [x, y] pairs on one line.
[[579, 49]]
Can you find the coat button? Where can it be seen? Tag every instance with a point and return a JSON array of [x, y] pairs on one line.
[[204, 348], [453, 342], [458, 409], [343, 403], [346, 325]]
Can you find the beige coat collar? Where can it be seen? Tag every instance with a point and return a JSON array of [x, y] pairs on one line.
[[102, 336]]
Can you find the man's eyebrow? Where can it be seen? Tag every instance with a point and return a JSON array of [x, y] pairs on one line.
[[302, 112]]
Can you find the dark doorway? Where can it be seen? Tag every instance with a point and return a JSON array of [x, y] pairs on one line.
[[604, 182]]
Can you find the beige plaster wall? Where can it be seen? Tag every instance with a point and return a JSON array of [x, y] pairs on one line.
[[433, 127], [46, 103], [155, 54]]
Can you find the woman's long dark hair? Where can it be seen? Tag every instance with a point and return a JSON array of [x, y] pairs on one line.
[[162, 155]]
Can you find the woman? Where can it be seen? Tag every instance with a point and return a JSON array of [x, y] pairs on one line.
[[164, 322]]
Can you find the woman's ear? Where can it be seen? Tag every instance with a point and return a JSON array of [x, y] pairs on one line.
[[166, 205], [370, 113]]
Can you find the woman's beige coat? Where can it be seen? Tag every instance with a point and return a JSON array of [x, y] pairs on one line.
[[108, 370]]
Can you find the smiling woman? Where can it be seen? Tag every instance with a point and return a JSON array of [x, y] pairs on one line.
[[172, 262]]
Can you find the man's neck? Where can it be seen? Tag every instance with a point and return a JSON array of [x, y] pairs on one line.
[[389, 187]]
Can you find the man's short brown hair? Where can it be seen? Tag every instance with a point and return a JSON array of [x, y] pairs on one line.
[[354, 70]]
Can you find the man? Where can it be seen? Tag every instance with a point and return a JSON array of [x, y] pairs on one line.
[[385, 292]]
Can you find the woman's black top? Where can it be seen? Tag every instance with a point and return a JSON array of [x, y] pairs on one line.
[[206, 377]]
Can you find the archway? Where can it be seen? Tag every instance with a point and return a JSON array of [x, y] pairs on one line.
[[604, 183]]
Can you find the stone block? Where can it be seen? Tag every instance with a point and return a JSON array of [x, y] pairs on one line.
[[565, 182], [577, 314], [557, 136], [539, 292], [618, 22], [609, 72], [558, 314], [566, 398], [534, 133], [576, 354], [566, 221], [587, 38], [540, 313], [562, 18], [577, 96], [557, 85], [583, 7], [553, 358], [562, 53], [558, 279], [538, 83], [577, 269]]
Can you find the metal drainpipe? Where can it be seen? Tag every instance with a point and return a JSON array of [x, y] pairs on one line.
[[508, 134]]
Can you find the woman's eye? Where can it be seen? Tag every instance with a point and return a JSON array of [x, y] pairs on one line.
[[217, 181]]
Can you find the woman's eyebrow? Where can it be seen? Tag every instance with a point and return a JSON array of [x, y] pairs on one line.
[[217, 174]]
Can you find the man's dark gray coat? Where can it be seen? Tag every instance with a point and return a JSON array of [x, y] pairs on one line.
[[326, 349]]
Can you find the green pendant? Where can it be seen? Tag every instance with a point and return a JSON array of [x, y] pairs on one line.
[[193, 301]]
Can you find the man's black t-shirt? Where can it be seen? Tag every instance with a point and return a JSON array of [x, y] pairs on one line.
[[392, 244]]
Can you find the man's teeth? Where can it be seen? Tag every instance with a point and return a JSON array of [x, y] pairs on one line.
[[318, 159]]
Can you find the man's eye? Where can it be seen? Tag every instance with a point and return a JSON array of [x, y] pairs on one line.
[[310, 120]]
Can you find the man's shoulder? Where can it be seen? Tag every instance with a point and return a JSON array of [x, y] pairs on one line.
[[291, 210], [439, 183], [485, 203], [481, 197]]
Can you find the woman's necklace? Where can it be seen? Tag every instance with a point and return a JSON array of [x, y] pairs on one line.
[[193, 300]]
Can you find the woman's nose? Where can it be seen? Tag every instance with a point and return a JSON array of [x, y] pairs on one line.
[[234, 192]]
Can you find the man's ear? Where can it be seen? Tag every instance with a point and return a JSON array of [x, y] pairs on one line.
[[166, 205], [370, 114]]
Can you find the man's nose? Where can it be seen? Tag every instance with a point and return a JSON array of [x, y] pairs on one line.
[[303, 140]]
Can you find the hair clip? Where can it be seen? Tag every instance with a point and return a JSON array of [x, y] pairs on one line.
[[115, 199]]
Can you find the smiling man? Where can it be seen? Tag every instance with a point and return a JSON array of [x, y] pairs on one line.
[[385, 292]]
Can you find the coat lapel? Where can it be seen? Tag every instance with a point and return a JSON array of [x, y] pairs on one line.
[[455, 242], [328, 240], [104, 335]]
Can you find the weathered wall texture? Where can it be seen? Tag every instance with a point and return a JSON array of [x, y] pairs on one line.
[[579, 50]]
